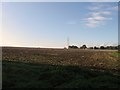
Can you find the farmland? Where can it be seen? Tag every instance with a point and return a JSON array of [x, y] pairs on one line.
[[60, 68]]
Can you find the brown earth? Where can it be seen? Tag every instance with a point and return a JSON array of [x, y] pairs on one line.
[[85, 58]]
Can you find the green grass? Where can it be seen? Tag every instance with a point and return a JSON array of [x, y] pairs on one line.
[[116, 54], [31, 75]]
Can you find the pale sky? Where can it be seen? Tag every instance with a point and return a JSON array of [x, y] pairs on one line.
[[49, 24]]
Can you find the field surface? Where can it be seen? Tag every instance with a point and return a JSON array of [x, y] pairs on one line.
[[60, 68]]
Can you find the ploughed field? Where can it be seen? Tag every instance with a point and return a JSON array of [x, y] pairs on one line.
[[59, 68], [87, 58]]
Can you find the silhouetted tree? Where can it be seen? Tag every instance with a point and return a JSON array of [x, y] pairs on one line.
[[109, 47], [119, 48], [83, 47], [74, 47], [102, 47], [90, 47], [116, 47], [96, 47]]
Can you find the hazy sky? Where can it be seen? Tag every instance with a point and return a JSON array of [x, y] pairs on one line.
[[49, 24]]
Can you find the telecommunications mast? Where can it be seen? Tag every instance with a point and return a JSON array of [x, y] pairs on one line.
[[67, 42]]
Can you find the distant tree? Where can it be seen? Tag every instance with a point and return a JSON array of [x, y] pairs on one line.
[[83, 47], [102, 47], [116, 47], [96, 47], [112, 47], [90, 47], [109, 47], [119, 47], [74, 47]]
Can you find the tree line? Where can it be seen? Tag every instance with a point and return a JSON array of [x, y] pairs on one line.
[[95, 47]]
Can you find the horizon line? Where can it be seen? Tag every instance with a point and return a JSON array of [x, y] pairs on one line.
[[53, 47]]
